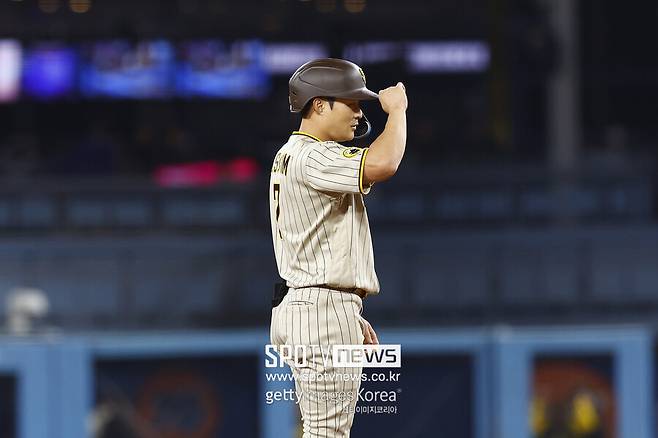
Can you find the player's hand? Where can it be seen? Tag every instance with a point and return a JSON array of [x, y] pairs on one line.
[[369, 335], [393, 98]]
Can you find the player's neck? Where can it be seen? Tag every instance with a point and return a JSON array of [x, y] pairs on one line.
[[309, 127]]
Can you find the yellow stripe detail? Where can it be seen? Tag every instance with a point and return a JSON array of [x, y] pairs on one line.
[[363, 165], [306, 134]]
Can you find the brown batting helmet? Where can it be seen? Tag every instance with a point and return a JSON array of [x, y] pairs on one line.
[[330, 77]]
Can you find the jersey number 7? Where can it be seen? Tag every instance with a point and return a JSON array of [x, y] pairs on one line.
[[276, 188]]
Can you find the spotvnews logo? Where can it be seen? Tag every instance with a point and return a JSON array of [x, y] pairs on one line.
[[344, 356]]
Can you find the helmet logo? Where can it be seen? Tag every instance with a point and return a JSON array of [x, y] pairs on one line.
[[363, 75]]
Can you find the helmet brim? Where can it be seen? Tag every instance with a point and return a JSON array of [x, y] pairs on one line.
[[360, 94]]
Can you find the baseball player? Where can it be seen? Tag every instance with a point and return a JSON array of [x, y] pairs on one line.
[[321, 233]]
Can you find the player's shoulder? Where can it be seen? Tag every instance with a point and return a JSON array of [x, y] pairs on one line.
[[323, 145], [305, 148], [335, 148]]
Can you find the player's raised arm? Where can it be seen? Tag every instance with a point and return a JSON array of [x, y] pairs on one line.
[[386, 152]]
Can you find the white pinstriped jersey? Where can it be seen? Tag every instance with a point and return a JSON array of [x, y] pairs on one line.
[[319, 222]]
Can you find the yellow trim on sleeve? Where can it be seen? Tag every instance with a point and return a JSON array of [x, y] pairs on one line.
[[361, 168], [306, 134]]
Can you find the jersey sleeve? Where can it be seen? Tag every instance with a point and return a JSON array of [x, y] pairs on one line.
[[332, 167]]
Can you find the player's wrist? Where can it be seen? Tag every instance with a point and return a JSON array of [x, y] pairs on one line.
[[397, 111]]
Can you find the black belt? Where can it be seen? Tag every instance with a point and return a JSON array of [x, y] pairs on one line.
[[281, 290], [352, 290]]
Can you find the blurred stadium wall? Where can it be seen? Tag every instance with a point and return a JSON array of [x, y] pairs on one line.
[[516, 246]]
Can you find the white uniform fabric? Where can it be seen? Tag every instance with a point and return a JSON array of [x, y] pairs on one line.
[[319, 221], [322, 242], [321, 317]]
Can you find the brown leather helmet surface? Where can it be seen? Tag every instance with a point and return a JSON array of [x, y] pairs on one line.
[[327, 77]]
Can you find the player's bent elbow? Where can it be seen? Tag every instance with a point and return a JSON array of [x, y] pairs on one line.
[[379, 171], [390, 169]]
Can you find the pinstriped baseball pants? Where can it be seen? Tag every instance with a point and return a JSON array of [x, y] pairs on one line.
[[319, 318]]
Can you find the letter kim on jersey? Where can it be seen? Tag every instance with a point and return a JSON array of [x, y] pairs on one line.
[[281, 162]]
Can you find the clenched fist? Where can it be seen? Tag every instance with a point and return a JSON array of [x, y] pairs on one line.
[[393, 98]]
